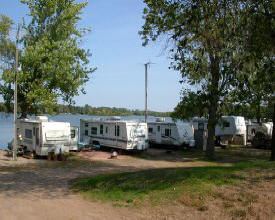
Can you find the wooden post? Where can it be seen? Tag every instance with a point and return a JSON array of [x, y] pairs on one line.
[[146, 86], [14, 153]]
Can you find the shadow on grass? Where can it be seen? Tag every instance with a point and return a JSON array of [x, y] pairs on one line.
[[228, 155], [162, 184]]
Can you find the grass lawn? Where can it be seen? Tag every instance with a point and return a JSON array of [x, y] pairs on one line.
[[169, 185]]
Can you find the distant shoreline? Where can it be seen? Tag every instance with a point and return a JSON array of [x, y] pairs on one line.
[[93, 111]]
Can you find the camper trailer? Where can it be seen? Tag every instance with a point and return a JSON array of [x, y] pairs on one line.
[[41, 136], [260, 134], [114, 133], [229, 130], [170, 133]]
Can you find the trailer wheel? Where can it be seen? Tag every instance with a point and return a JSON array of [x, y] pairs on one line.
[[34, 155], [218, 141], [95, 145], [55, 157]]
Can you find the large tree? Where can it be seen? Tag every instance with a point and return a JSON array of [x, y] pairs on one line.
[[54, 66], [204, 43], [257, 75], [7, 54]]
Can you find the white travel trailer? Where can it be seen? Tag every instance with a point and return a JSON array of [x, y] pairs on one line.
[[230, 129], [41, 136], [260, 134], [263, 127], [114, 133], [171, 133]]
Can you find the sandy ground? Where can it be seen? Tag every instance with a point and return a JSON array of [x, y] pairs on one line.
[[38, 189]]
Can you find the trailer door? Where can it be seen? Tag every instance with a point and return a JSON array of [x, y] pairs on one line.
[[37, 138], [158, 134]]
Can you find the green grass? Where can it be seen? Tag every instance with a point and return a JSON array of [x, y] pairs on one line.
[[159, 186]]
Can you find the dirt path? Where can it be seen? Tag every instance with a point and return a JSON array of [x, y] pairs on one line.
[[38, 189]]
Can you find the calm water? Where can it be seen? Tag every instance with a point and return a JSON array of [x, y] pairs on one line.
[[6, 123]]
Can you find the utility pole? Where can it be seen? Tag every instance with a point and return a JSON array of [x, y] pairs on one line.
[[14, 153], [146, 87]]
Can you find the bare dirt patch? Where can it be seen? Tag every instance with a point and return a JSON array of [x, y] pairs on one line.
[[153, 158], [248, 201]]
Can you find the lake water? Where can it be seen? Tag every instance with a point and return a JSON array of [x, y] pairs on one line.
[[6, 123]]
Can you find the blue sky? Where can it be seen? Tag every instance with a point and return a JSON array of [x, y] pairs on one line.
[[118, 55]]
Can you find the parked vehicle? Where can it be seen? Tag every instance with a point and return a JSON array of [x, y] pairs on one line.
[[260, 134], [41, 136], [171, 133], [114, 133], [229, 130]]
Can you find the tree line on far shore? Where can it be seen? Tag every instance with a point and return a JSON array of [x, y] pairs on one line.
[[238, 110], [89, 110]]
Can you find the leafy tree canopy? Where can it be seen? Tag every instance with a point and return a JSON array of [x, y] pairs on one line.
[[54, 66], [204, 40], [256, 74]]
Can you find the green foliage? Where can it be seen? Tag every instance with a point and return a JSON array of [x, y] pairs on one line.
[[225, 49], [256, 75], [105, 111], [200, 33], [192, 104], [54, 66], [7, 54], [5, 26]]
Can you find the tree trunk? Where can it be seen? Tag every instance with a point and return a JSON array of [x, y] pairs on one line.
[[272, 158], [213, 105], [24, 109], [258, 112], [210, 148], [24, 115]]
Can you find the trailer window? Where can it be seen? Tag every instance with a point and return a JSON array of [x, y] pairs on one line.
[[117, 131], [140, 132], [86, 133], [101, 129], [33, 131], [28, 133], [37, 136], [150, 130], [106, 130], [53, 135], [226, 124], [158, 128], [86, 124], [168, 132], [72, 133], [201, 126], [94, 130]]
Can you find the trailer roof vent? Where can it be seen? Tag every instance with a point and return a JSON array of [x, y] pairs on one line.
[[114, 118], [160, 119], [42, 118]]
